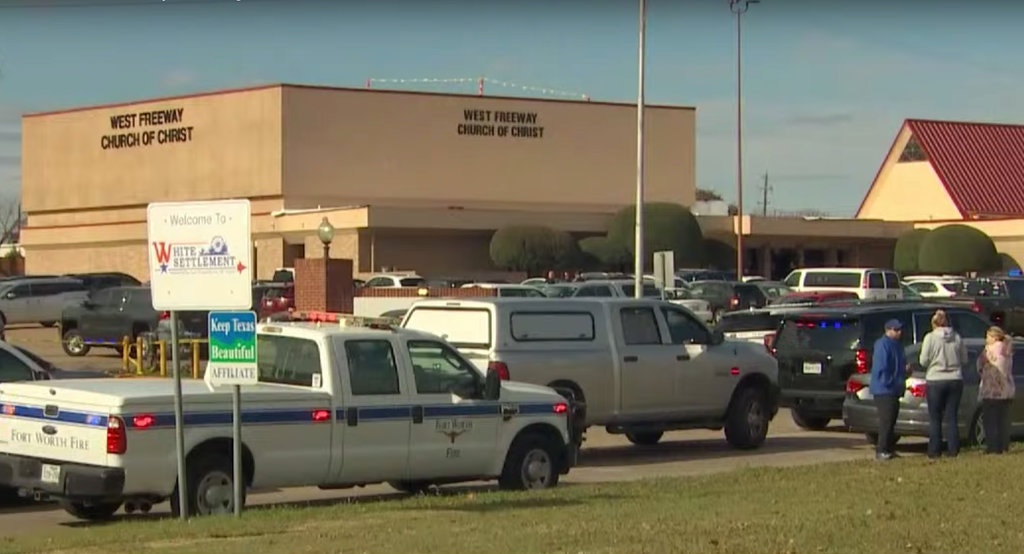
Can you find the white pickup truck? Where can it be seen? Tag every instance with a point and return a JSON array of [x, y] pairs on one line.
[[340, 404]]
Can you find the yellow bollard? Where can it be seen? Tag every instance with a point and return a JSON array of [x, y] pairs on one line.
[[195, 359], [125, 354], [163, 359], [138, 356]]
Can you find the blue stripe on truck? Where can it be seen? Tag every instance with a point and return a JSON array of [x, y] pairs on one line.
[[276, 416]]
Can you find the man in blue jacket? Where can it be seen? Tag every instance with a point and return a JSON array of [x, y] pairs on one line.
[[888, 383]]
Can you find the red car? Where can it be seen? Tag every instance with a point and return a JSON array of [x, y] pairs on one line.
[[275, 299]]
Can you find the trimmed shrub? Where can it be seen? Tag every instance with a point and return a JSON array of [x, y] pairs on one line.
[[533, 249], [907, 251], [958, 248], [667, 226], [601, 253], [719, 255]]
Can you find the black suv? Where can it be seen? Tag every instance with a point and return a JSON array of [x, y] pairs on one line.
[[110, 314], [819, 348]]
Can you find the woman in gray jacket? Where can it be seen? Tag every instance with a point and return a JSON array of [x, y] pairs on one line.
[[943, 356]]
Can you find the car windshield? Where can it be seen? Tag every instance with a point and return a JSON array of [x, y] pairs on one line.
[[556, 291]]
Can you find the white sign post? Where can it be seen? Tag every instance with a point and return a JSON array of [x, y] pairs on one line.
[[199, 259], [664, 270]]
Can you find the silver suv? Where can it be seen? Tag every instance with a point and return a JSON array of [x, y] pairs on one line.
[[37, 300]]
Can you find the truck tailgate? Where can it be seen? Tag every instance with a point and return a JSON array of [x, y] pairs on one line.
[[36, 424]]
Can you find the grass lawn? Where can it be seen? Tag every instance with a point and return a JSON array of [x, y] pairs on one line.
[[910, 506]]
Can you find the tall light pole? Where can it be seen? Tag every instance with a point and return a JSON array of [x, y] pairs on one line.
[[638, 247], [739, 7]]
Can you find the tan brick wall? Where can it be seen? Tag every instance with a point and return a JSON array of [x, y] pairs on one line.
[[130, 258], [319, 290]]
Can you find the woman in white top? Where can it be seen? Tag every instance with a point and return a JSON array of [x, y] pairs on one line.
[[997, 390]]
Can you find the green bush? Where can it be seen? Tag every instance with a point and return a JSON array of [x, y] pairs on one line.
[[599, 253], [1008, 262], [667, 226], [719, 255], [533, 249], [958, 249], [907, 251]]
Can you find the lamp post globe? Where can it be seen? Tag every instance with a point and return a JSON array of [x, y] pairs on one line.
[[326, 232]]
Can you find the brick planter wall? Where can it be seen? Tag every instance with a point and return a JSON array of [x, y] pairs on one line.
[[317, 290]]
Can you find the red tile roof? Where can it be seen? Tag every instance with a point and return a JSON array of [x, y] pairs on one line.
[[980, 164]]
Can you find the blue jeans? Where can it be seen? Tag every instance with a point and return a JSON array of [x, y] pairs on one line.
[[943, 409]]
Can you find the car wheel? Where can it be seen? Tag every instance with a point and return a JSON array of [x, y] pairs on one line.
[[531, 464], [977, 432], [91, 512], [648, 438], [210, 487], [746, 424], [74, 344], [809, 422]]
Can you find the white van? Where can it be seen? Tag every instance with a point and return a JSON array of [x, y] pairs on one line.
[[636, 366], [869, 283]]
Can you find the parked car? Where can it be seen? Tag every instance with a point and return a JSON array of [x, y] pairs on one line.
[[102, 280], [812, 297], [626, 288], [755, 294], [388, 280], [718, 295], [1000, 300], [860, 415], [509, 291], [819, 349], [934, 287], [866, 283], [38, 300], [639, 367], [107, 316], [272, 299], [691, 275]]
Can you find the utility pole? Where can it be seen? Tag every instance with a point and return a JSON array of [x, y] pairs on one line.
[[765, 190]]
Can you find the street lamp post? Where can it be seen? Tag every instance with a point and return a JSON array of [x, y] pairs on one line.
[[739, 7], [326, 234], [638, 246]]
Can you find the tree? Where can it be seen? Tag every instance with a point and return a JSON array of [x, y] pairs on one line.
[[908, 248], [667, 226], [958, 248], [601, 253], [533, 249], [719, 255]]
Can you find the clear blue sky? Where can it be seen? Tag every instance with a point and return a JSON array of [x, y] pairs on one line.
[[827, 83]]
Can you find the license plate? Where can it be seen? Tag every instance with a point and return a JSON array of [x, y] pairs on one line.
[[812, 368], [50, 474]]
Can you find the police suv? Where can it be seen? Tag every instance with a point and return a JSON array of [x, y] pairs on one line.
[[341, 402]]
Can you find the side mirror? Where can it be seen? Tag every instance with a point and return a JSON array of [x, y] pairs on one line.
[[717, 337], [492, 385]]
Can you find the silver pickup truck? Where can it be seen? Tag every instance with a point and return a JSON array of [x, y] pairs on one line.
[[640, 367]]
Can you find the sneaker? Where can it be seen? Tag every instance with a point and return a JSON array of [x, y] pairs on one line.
[[883, 456]]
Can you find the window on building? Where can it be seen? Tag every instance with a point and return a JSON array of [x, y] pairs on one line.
[[912, 152]]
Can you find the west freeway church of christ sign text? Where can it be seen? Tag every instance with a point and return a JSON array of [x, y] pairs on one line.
[[146, 128], [500, 123]]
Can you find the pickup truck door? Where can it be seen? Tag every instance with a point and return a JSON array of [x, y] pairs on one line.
[[647, 364], [703, 380], [454, 431], [376, 412]]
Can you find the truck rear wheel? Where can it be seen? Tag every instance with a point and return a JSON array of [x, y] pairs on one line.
[[645, 438], [91, 512], [532, 463], [209, 487], [746, 424], [808, 422]]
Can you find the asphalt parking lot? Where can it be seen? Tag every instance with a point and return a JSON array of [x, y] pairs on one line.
[[605, 457]]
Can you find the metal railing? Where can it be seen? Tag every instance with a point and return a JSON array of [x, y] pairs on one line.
[[148, 356]]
